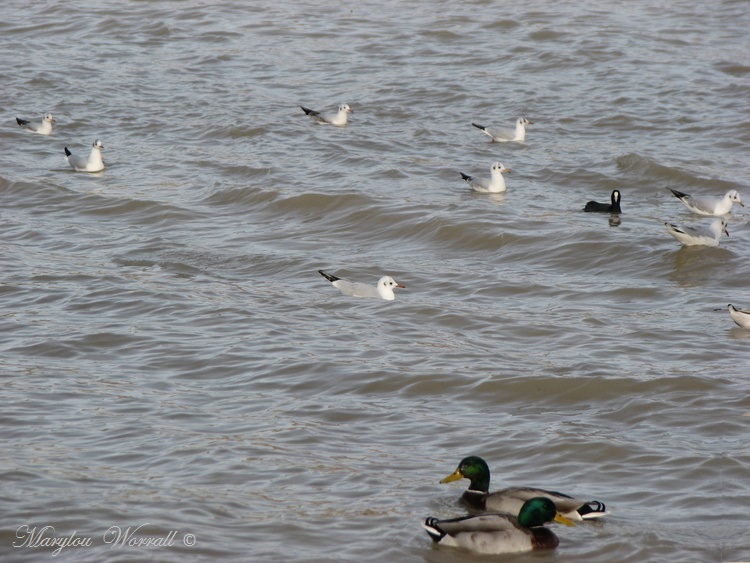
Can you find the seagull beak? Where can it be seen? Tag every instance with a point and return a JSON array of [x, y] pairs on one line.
[[563, 520], [400, 285], [505, 170], [531, 123], [455, 476], [726, 231]]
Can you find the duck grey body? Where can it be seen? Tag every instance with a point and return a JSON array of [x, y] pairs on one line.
[[741, 317], [493, 534]]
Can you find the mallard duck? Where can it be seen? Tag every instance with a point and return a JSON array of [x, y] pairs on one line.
[[510, 500], [501, 533], [739, 316]]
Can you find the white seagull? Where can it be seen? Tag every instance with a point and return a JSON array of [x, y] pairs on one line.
[[384, 289], [709, 205], [741, 317], [493, 185], [506, 135], [699, 236], [43, 128], [91, 164], [338, 118]]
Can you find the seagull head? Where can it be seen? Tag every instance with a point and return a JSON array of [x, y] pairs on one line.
[[734, 196], [98, 145], [720, 226], [386, 285], [498, 167], [388, 281]]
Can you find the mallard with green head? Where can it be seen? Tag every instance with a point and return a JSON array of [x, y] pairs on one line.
[[510, 500], [493, 534]]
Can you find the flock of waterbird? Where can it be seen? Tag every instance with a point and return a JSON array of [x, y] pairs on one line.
[[510, 520], [92, 163], [688, 236], [495, 184]]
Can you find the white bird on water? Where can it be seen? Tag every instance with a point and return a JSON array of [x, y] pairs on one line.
[[338, 118], [93, 163], [43, 128], [741, 317], [709, 205], [507, 135], [493, 185], [699, 236], [384, 289]]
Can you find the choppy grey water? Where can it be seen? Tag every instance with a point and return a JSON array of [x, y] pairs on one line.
[[171, 359]]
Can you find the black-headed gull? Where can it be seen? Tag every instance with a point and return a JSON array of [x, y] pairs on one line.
[[699, 236], [338, 118], [614, 207], [709, 205], [384, 289], [506, 135], [493, 185], [43, 128], [741, 317], [92, 163]]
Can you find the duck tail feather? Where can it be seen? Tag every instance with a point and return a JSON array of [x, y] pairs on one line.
[[433, 530], [593, 509]]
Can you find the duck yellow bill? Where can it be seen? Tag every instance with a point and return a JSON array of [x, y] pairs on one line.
[[563, 520], [455, 476]]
